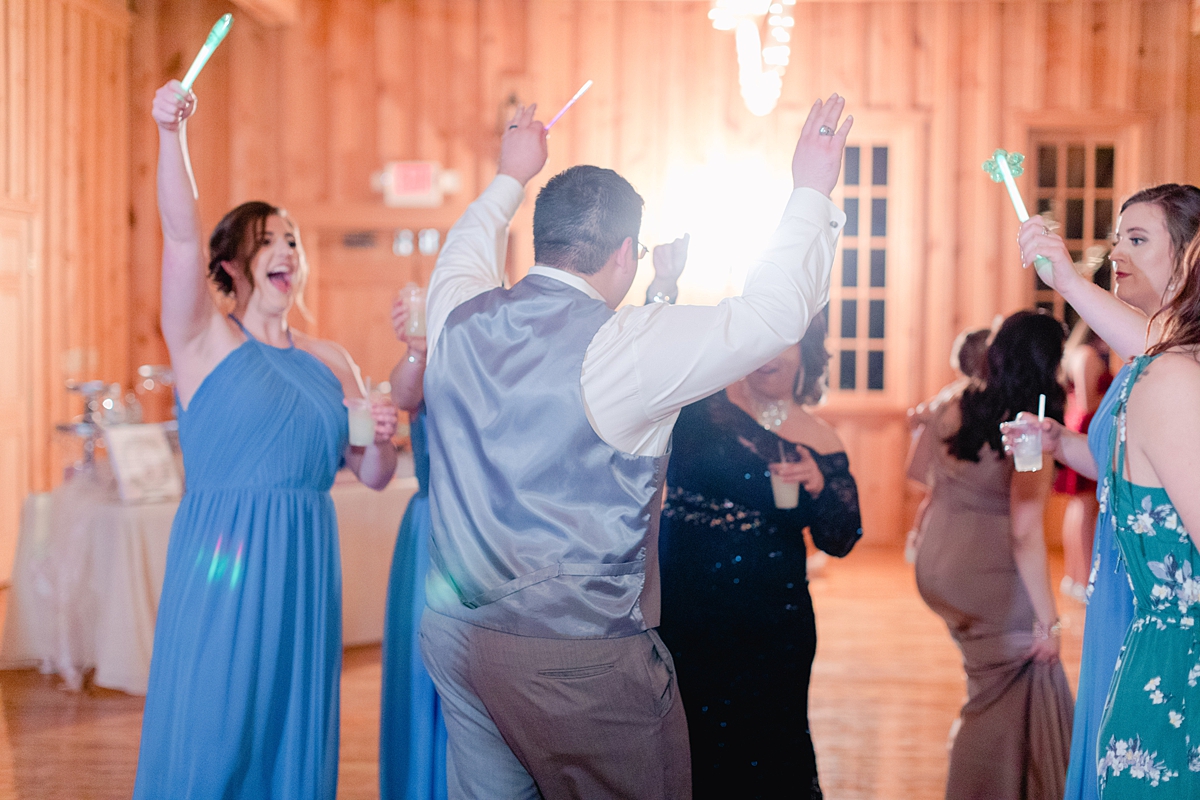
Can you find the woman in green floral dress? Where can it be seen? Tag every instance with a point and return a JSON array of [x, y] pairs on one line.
[[1149, 743]]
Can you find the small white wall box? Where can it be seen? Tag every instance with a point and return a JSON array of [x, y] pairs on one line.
[[415, 184]]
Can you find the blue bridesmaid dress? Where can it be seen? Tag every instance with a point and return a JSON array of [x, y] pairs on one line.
[[244, 679], [1109, 614], [412, 736]]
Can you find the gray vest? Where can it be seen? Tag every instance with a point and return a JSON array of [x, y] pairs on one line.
[[540, 528]]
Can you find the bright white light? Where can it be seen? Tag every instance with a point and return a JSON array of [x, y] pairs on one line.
[[731, 206], [781, 35], [776, 55]]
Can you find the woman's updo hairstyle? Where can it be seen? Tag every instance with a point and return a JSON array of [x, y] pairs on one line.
[[237, 239]]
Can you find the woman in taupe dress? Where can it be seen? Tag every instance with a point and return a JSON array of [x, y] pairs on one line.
[[981, 567]]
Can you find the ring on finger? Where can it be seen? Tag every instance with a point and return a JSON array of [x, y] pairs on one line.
[[825, 130], [510, 127]]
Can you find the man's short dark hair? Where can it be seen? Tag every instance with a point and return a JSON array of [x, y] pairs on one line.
[[582, 216]]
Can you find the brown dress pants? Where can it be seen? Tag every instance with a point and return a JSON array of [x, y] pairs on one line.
[[559, 718]]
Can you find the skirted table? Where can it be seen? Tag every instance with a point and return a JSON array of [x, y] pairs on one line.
[[89, 571]]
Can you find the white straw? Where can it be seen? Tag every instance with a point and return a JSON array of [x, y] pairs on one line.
[[1041, 407]]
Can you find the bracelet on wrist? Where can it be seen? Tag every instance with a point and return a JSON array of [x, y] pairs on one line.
[[1042, 631]]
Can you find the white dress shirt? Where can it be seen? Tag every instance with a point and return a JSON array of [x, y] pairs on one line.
[[647, 362]]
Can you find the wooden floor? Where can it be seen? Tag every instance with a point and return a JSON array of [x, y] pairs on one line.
[[886, 687]]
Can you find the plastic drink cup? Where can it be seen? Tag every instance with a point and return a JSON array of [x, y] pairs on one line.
[[787, 493], [362, 422], [1026, 441], [414, 296]]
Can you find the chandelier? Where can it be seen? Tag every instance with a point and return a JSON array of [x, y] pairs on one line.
[[760, 67]]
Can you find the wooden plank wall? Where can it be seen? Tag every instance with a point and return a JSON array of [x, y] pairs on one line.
[[65, 163], [303, 114], [64, 189]]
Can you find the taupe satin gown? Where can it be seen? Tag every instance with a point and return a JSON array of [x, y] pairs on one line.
[[1016, 725]]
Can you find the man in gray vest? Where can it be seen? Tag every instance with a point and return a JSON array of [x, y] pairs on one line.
[[549, 418]]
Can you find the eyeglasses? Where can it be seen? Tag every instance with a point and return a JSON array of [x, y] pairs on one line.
[[642, 250]]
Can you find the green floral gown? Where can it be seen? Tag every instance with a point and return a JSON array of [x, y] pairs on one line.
[[1149, 743]]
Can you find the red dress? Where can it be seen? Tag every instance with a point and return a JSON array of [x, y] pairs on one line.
[[1077, 418]]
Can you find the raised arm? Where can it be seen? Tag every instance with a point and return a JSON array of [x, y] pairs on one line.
[[1121, 325], [685, 353], [187, 306], [472, 260], [407, 378]]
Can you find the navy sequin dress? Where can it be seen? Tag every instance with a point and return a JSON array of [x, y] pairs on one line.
[[736, 612]]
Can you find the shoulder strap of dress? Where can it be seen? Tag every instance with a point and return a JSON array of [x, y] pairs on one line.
[[243, 327], [1116, 437]]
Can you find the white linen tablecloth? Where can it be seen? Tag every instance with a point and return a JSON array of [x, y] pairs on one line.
[[89, 570]]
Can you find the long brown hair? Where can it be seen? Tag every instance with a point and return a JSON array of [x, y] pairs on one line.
[[1181, 325]]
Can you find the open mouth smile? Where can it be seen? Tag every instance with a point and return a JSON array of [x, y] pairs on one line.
[[281, 279]]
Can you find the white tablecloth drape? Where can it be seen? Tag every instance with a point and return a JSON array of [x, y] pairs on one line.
[[89, 572]]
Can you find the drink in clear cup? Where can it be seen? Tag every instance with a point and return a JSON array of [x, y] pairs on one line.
[[787, 493], [1026, 442], [414, 297], [362, 423]]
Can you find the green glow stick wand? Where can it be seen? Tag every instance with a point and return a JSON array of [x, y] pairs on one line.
[[1002, 167], [215, 37]]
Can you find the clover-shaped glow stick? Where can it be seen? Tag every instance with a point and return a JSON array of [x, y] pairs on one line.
[[215, 37], [570, 103], [1002, 167]]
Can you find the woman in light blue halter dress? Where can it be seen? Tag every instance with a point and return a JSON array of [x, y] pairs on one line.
[[412, 731], [244, 679]]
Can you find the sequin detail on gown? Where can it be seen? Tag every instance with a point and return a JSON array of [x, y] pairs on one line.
[[736, 612]]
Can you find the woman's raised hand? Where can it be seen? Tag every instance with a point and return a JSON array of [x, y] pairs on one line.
[[172, 105], [1037, 239], [400, 313]]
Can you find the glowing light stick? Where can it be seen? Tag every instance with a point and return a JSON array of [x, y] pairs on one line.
[[570, 103], [215, 37], [1002, 167]]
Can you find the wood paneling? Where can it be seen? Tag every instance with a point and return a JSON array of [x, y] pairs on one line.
[[303, 114], [64, 225]]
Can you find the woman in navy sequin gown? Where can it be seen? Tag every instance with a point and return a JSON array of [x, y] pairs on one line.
[[736, 611]]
